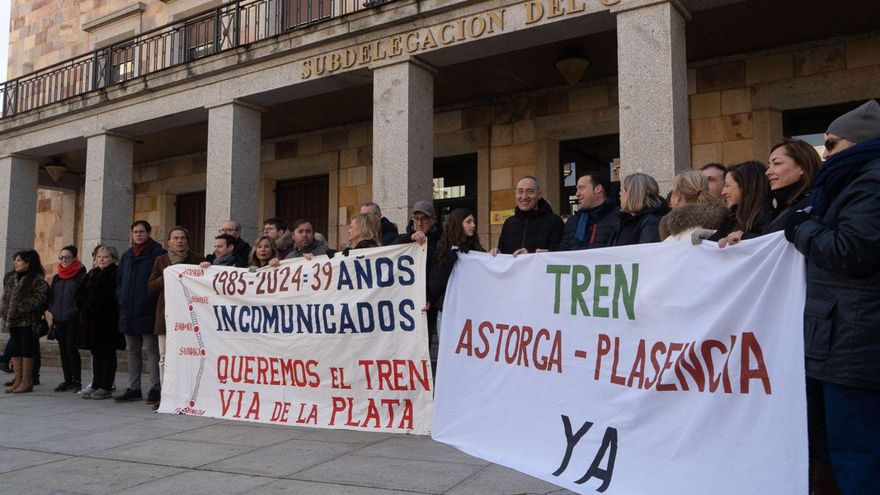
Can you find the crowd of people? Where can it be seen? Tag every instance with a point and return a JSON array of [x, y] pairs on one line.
[[829, 210]]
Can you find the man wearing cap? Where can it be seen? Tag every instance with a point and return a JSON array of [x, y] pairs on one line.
[[423, 229], [840, 238]]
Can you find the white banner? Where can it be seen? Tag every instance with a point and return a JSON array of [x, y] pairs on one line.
[[661, 368], [329, 343]]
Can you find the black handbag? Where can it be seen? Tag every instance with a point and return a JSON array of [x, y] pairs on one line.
[[42, 327]]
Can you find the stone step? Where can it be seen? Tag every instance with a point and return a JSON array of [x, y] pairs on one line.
[[51, 356]]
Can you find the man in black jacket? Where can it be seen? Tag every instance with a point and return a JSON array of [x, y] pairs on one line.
[[242, 248], [840, 238], [533, 227], [597, 218]]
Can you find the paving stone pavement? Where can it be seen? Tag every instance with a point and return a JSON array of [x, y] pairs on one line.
[[61, 444]]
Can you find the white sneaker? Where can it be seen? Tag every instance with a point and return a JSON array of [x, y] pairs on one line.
[[87, 392]]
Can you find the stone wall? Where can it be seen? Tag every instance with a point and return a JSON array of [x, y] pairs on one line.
[[728, 126], [45, 32]]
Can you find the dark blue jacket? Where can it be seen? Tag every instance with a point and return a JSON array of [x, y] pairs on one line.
[[842, 245], [137, 308]]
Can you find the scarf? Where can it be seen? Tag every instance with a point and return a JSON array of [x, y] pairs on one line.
[[138, 249], [834, 175], [70, 271], [580, 234], [177, 256], [228, 260]]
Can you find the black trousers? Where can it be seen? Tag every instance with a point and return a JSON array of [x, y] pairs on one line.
[[103, 368], [67, 333], [23, 341]]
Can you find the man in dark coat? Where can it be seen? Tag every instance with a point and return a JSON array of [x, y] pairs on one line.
[[305, 242], [533, 227], [840, 238], [137, 310], [597, 218], [389, 228], [423, 229]]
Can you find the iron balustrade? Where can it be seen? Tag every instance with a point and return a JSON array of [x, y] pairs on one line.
[[232, 25]]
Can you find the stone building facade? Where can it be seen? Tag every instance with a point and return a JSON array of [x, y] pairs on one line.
[[386, 103]]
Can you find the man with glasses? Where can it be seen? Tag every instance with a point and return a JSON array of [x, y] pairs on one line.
[[840, 239], [137, 310], [242, 248], [276, 229]]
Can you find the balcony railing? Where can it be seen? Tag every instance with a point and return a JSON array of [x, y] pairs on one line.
[[229, 26]]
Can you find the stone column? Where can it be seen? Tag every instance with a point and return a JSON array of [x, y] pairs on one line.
[[18, 206], [652, 82], [403, 138], [107, 206], [233, 176]]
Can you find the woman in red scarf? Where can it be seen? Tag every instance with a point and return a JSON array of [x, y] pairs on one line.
[[65, 317]]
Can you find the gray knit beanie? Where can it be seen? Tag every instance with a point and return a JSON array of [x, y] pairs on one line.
[[859, 125]]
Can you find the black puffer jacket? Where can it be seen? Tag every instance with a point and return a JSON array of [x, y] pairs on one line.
[[604, 221], [389, 231], [641, 228], [534, 229], [842, 247]]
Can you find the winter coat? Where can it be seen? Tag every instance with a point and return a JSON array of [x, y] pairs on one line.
[[98, 311], [781, 212], [534, 229], [439, 276], [690, 216], [841, 243], [156, 284], [137, 308], [603, 222], [62, 296], [242, 251], [24, 299], [284, 244], [317, 248], [433, 242], [641, 228], [389, 231], [759, 226]]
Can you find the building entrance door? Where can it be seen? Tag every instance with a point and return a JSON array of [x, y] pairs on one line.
[[190, 213], [455, 185], [304, 198]]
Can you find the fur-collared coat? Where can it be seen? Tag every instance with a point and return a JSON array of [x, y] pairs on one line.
[[691, 216]]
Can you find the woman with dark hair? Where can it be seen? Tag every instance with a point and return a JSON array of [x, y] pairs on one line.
[[65, 316], [746, 193], [459, 235], [99, 314], [25, 292], [641, 209], [790, 170]]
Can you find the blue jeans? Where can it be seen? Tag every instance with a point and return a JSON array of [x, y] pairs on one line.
[[844, 425]]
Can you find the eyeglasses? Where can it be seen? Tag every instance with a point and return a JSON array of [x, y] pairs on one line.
[[65, 257], [227, 231], [830, 144]]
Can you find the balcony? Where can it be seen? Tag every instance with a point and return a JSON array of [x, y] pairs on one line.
[[230, 26]]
